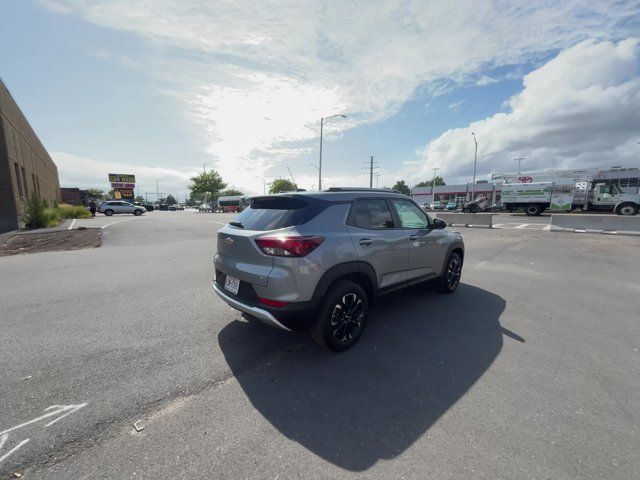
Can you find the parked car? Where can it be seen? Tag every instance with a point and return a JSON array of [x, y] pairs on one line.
[[173, 208], [451, 206], [205, 207], [147, 206], [120, 206], [317, 260], [163, 207], [180, 207], [436, 206]]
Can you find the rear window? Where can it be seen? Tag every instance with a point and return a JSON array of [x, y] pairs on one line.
[[271, 213]]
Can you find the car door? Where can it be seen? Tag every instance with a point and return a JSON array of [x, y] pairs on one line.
[[427, 248], [378, 240]]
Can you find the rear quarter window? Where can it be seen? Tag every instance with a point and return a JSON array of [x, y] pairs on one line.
[[272, 213]]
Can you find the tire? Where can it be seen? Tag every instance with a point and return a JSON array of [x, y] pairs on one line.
[[627, 209], [450, 277], [137, 212], [331, 329], [108, 213], [532, 210]]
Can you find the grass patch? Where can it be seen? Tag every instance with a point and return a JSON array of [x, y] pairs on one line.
[[72, 211], [39, 215]]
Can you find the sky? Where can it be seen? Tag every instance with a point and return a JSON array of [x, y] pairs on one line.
[[166, 88]]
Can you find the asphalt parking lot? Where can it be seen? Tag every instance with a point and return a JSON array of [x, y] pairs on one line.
[[530, 370]]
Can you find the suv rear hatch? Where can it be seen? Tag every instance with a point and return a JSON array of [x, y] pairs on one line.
[[239, 255]]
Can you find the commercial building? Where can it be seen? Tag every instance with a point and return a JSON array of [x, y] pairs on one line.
[[627, 178], [25, 165], [457, 193], [74, 196]]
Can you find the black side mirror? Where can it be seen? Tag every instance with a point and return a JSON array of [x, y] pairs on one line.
[[439, 224]]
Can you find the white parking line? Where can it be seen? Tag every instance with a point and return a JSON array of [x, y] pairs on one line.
[[218, 223], [522, 225], [121, 221], [73, 222]]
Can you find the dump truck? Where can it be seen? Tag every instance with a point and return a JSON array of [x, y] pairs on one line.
[[535, 198]]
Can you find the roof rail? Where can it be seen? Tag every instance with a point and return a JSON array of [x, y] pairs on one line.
[[361, 189]]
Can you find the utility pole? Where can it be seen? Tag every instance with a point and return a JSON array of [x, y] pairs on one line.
[[157, 192], [433, 184], [475, 161], [519, 160], [371, 173], [204, 167]]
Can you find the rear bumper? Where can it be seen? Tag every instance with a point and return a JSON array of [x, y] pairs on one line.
[[259, 313]]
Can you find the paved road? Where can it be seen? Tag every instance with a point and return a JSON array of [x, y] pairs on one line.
[[530, 370]]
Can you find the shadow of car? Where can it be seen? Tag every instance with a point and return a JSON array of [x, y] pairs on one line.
[[420, 354]]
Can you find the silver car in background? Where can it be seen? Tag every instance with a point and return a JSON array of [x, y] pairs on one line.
[[317, 260], [119, 206]]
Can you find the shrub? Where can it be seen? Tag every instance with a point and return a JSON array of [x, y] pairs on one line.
[[52, 217], [72, 211], [35, 212]]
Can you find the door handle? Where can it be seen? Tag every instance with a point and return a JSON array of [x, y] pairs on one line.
[[413, 238], [365, 241]]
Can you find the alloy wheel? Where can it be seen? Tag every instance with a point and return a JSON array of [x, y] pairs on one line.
[[347, 317], [454, 271]]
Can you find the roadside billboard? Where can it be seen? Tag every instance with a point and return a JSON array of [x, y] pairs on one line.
[[121, 178], [123, 185]]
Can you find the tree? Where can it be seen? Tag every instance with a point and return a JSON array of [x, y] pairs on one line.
[[96, 193], [401, 186], [230, 193], [171, 200], [439, 181], [209, 183], [139, 199], [280, 185]]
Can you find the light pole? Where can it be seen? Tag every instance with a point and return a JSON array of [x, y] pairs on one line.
[[324, 120], [475, 162], [519, 160], [433, 184], [264, 184]]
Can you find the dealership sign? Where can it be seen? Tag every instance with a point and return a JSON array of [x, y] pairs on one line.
[[121, 178], [122, 185]]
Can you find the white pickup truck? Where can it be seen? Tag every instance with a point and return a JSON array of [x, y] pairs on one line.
[[534, 198]]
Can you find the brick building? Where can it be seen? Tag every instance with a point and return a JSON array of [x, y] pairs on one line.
[[25, 165]]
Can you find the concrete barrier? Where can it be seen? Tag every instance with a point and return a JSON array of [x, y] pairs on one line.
[[618, 224], [467, 219]]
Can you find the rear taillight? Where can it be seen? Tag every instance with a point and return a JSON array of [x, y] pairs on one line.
[[273, 303], [288, 246]]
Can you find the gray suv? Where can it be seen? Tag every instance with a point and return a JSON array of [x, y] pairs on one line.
[[317, 260], [120, 206]]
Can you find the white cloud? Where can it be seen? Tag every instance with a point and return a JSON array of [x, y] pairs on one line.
[[90, 173], [486, 80], [253, 77], [580, 109]]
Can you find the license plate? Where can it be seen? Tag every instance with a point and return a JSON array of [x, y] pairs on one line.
[[232, 284]]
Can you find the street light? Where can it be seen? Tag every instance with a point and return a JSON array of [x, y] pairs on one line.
[[433, 184], [264, 184], [519, 160], [475, 161], [322, 122]]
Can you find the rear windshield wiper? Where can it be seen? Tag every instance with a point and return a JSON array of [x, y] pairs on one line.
[[236, 224]]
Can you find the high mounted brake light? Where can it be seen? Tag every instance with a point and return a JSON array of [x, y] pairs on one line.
[[288, 246]]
